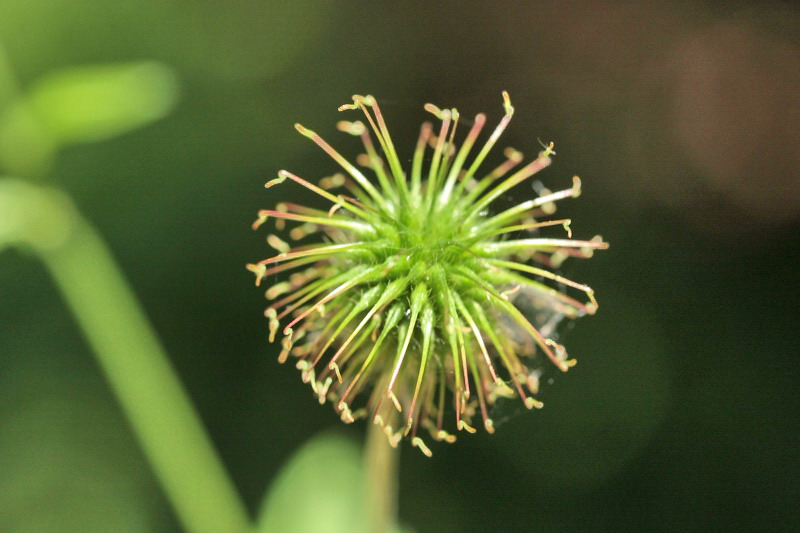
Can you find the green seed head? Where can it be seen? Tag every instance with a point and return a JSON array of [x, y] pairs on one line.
[[417, 305]]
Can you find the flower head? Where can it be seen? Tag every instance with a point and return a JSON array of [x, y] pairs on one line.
[[418, 306]]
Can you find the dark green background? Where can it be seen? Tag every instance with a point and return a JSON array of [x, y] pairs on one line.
[[682, 120]]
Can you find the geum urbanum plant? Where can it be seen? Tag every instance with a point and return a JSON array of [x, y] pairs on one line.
[[416, 294]]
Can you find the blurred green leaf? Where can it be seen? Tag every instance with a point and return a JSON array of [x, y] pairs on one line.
[[319, 490], [97, 102], [28, 215], [26, 148]]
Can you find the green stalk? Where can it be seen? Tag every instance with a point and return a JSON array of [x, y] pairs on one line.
[[139, 372], [380, 468]]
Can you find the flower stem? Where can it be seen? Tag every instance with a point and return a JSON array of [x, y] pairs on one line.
[[139, 372], [380, 466]]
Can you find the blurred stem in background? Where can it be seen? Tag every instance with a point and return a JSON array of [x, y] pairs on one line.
[[82, 105], [380, 469], [157, 406], [93, 103]]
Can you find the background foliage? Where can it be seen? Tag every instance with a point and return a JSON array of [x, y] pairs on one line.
[[680, 117]]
